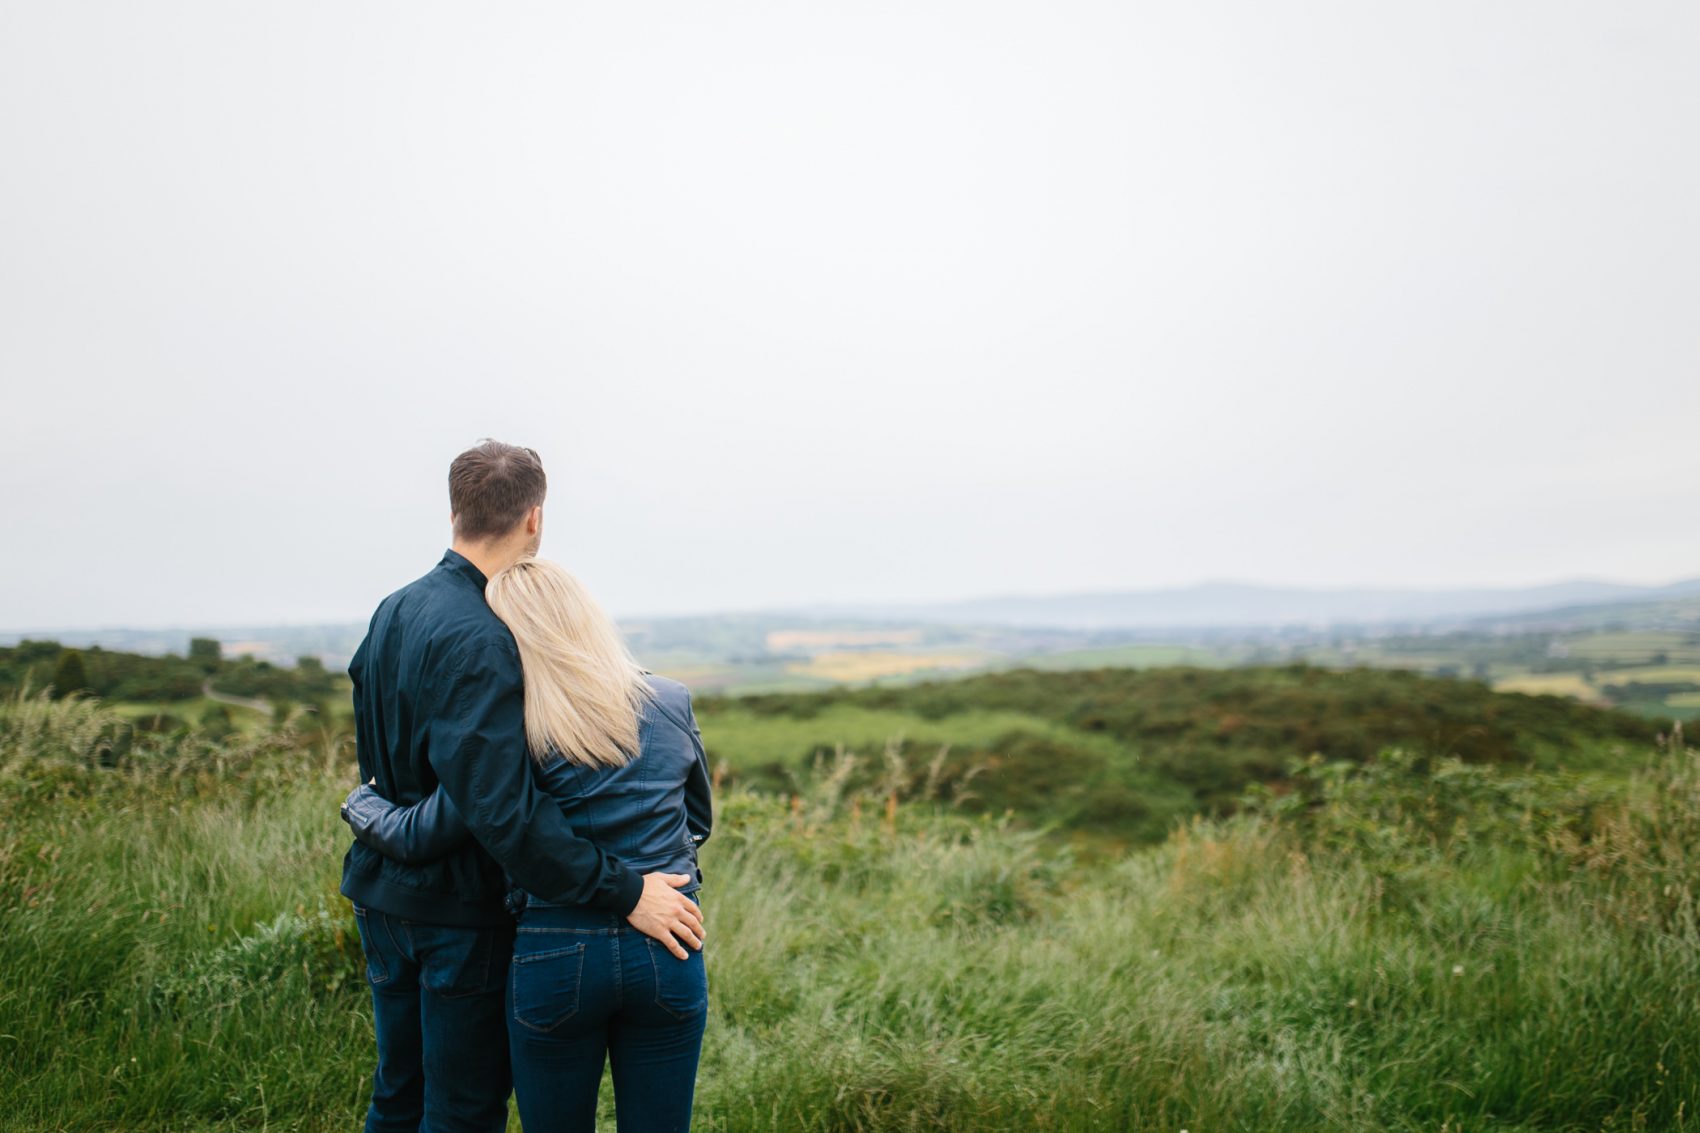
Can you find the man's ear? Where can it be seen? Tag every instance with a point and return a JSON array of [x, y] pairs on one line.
[[534, 520]]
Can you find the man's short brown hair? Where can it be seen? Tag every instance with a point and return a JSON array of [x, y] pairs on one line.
[[492, 486]]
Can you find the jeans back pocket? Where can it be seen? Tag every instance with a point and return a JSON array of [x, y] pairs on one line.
[[377, 965], [457, 961], [681, 986], [545, 986]]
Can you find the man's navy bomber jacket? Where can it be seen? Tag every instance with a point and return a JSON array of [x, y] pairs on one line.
[[439, 701]]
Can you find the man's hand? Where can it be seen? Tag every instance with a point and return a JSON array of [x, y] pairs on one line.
[[668, 915]]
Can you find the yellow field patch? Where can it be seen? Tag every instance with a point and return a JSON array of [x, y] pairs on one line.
[[866, 665], [1549, 684], [258, 650]]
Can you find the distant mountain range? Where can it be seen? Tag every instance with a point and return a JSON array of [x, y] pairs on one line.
[[1234, 605], [1213, 609]]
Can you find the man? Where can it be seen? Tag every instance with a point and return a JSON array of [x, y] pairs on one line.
[[439, 702]]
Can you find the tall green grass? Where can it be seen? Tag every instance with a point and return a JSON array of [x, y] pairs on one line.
[[1416, 944]]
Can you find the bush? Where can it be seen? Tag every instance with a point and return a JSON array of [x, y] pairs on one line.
[[69, 676]]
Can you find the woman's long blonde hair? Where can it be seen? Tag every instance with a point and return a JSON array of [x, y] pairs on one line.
[[583, 690]]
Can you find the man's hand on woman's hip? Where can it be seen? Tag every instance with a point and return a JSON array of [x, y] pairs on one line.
[[667, 914]]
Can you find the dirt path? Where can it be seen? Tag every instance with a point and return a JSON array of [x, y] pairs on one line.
[[253, 703]]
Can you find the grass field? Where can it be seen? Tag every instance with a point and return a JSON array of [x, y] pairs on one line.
[[1131, 656], [1118, 756], [1639, 648], [754, 741], [147, 713], [1412, 945]]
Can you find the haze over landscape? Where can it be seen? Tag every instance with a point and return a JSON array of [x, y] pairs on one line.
[[911, 305]]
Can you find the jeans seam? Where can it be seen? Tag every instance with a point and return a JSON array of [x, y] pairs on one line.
[[619, 993]]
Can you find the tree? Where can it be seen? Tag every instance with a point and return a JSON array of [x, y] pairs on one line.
[[205, 652], [69, 675]]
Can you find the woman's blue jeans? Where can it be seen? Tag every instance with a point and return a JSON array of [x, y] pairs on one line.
[[584, 987]]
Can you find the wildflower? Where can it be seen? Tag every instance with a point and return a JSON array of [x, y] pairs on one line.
[[1457, 969]]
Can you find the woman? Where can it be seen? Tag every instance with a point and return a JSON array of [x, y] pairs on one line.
[[619, 749]]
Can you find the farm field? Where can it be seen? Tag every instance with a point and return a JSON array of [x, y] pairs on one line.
[[855, 666], [1653, 673], [1650, 672]]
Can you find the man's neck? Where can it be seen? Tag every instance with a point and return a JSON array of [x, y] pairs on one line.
[[489, 557]]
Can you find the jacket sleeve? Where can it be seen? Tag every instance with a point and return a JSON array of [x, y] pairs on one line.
[[699, 801], [413, 835], [478, 751], [356, 677]]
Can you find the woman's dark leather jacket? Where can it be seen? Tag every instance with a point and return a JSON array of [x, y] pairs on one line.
[[650, 813]]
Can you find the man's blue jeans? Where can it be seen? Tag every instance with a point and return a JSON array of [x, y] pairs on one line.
[[587, 987], [437, 1003]]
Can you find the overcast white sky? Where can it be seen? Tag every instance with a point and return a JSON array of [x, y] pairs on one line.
[[870, 301]]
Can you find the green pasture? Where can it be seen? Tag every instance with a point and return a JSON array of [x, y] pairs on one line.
[[756, 742], [1129, 656], [194, 711], [1634, 648], [1121, 755], [1409, 944]]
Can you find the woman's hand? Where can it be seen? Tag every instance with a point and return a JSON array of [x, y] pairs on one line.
[[667, 914]]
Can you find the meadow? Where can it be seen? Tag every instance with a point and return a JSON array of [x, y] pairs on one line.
[[1119, 756], [1408, 941]]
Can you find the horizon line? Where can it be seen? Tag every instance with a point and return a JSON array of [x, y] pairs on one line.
[[802, 609]]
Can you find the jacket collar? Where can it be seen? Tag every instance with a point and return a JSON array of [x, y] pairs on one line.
[[457, 563]]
